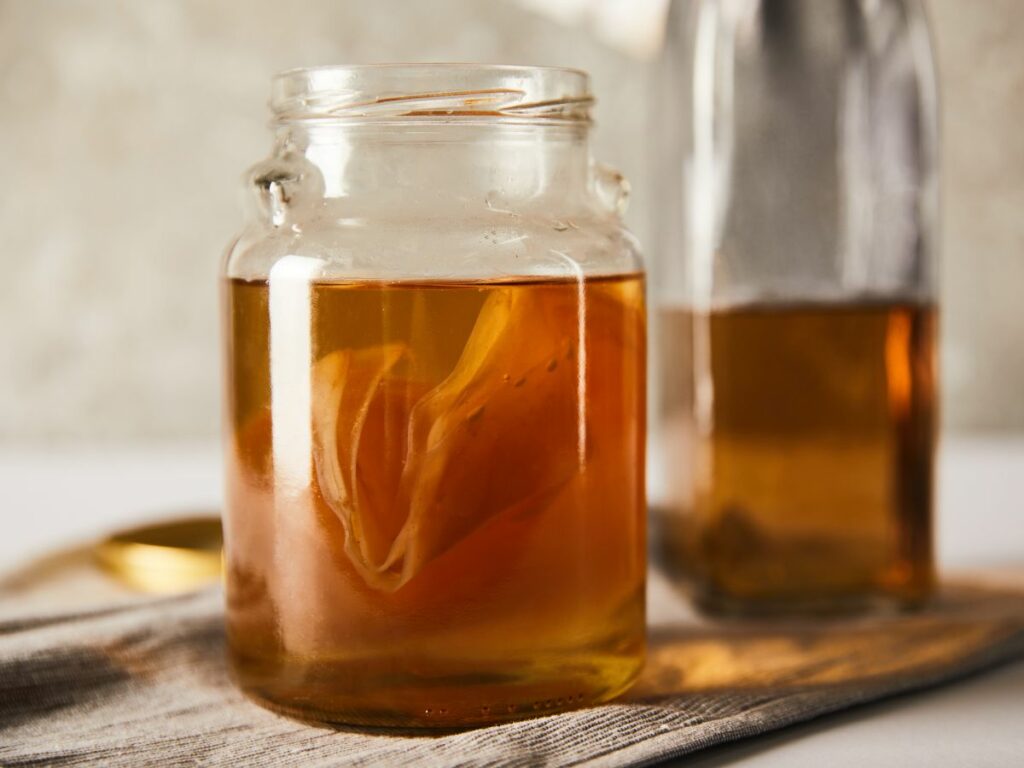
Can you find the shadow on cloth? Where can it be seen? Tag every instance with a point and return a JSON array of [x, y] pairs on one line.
[[964, 621], [108, 653]]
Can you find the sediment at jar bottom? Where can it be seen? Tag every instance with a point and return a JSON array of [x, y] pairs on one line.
[[444, 692], [455, 512], [810, 475]]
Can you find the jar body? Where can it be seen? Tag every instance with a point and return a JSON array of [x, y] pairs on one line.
[[435, 508], [796, 320]]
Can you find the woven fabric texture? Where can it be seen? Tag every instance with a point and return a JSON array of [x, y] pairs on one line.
[[146, 683]]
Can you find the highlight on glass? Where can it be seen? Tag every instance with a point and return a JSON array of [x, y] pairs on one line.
[[796, 308], [435, 349]]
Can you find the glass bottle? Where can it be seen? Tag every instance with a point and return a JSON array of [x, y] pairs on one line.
[[435, 346], [795, 411]]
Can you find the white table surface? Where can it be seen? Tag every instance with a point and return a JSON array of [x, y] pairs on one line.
[[54, 498]]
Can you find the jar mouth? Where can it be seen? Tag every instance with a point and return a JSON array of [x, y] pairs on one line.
[[432, 92]]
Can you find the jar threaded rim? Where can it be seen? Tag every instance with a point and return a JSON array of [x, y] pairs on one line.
[[448, 92]]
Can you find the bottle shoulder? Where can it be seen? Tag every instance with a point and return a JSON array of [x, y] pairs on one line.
[[425, 244]]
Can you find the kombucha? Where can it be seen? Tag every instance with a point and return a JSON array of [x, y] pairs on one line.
[[435, 509], [801, 440]]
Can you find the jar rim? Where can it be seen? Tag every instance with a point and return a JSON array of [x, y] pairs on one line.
[[450, 92]]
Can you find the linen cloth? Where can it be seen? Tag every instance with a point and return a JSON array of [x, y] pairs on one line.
[[145, 682]]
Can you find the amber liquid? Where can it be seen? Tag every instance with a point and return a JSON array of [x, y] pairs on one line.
[[804, 439], [435, 509]]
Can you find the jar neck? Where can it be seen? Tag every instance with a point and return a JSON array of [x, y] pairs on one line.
[[427, 164]]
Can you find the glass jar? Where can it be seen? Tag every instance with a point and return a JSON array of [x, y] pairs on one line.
[[435, 344], [796, 321]]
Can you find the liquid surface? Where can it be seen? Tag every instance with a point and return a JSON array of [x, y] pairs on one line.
[[801, 441], [435, 496]]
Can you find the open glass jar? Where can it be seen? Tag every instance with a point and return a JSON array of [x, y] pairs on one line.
[[435, 346]]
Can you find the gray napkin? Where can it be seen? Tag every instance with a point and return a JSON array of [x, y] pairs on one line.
[[146, 683]]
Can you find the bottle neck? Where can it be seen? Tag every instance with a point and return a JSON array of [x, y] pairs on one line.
[[424, 165]]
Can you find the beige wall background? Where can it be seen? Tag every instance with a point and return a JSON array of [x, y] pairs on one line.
[[125, 127]]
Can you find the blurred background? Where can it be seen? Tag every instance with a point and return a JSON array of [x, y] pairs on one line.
[[125, 127]]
